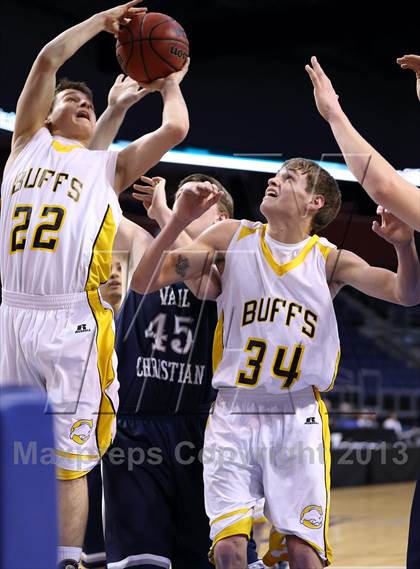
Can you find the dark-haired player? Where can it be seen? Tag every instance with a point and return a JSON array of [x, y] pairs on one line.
[[59, 216], [154, 499], [277, 347], [155, 508]]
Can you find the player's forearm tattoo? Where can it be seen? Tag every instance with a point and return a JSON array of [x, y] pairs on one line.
[[182, 265]]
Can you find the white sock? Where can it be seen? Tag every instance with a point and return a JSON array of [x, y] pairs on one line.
[[73, 553]]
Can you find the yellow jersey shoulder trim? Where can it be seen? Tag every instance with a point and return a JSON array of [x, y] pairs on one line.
[[324, 249], [245, 231], [60, 147]]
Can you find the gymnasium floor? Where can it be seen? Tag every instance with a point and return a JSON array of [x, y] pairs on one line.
[[369, 526]]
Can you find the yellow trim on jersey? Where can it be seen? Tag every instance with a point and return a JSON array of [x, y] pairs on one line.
[[63, 474], [229, 515], [323, 413], [245, 231], [100, 262], [60, 147], [325, 250], [105, 348], [280, 270], [76, 456], [337, 363], [218, 343]]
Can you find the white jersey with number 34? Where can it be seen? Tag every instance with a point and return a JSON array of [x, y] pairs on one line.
[[277, 328], [59, 216]]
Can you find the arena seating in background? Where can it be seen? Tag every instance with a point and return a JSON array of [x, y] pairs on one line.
[[372, 375]]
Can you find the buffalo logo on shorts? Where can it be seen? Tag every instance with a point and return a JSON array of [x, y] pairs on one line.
[[311, 517], [80, 431]]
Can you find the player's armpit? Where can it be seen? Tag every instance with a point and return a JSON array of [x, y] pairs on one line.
[[347, 268], [132, 240]]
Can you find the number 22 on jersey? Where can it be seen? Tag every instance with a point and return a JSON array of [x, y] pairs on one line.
[[22, 213]]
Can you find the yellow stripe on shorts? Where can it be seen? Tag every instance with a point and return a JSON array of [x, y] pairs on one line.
[[105, 348], [323, 413]]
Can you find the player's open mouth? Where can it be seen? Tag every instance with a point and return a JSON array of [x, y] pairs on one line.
[[271, 193], [83, 115]]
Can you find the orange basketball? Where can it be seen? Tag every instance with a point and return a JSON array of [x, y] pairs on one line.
[[151, 46]]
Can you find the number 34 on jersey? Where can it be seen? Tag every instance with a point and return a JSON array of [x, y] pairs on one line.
[[288, 374]]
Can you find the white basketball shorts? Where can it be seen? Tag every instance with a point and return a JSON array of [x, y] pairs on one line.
[[274, 447], [64, 344]]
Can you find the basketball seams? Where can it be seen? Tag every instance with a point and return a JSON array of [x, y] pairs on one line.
[[162, 58], [148, 62], [131, 48], [143, 59], [168, 19], [184, 43], [152, 40]]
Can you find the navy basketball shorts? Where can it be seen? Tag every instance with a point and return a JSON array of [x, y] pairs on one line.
[[154, 495], [93, 555]]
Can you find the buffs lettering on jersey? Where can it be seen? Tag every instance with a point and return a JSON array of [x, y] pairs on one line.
[[44, 178], [268, 309]]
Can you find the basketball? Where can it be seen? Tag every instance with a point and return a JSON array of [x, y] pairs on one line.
[[151, 46]]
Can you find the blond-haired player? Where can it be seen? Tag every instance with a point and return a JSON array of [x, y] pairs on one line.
[[276, 347], [59, 216]]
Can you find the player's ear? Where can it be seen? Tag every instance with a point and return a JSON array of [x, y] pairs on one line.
[[317, 202]]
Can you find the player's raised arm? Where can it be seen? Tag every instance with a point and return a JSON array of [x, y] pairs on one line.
[[124, 93], [403, 287], [153, 196], [38, 92], [411, 62], [160, 266], [381, 181], [145, 152]]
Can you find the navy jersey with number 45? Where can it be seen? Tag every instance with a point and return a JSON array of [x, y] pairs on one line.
[[164, 346]]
